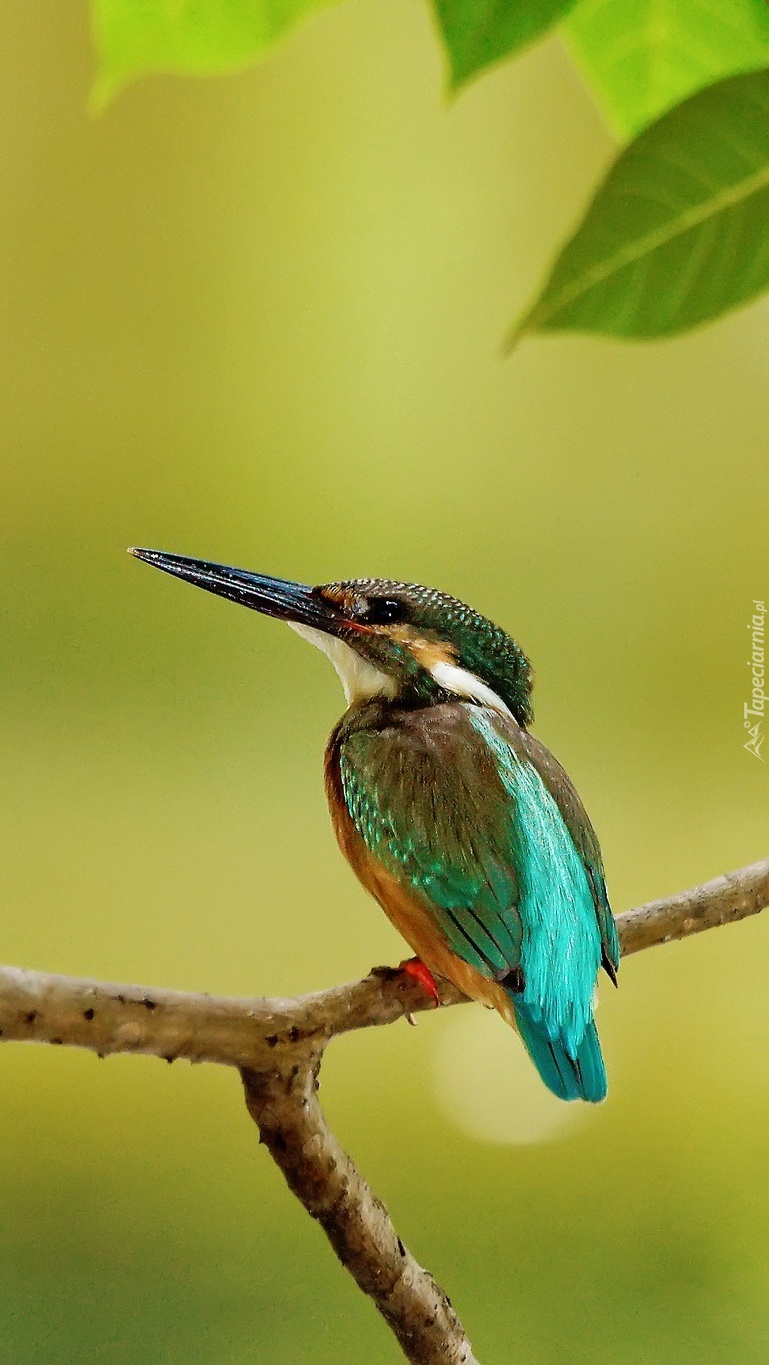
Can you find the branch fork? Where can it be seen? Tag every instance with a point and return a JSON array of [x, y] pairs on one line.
[[278, 1046]]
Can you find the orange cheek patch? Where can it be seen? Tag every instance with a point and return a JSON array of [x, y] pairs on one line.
[[428, 653]]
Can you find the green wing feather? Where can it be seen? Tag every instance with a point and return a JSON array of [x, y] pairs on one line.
[[425, 796]]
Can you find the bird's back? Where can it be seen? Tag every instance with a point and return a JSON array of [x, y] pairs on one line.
[[474, 841]]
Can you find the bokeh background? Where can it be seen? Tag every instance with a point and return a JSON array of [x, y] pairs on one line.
[[258, 319]]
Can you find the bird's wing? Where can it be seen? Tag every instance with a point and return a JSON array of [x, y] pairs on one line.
[[424, 796], [450, 802], [585, 840]]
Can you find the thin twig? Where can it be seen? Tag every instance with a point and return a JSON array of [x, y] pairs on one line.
[[736, 895], [278, 1046]]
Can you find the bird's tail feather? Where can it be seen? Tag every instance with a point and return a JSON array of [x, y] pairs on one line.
[[570, 1078]]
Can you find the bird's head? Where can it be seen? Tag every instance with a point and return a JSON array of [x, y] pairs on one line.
[[396, 641]]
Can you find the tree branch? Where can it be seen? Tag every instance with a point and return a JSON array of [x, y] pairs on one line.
[[278, 1046], [293, 1127], [736, 895]]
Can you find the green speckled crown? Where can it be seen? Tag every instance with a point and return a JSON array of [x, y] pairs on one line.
[[480, 646]]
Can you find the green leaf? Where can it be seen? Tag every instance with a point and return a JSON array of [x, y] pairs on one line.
[[641, 57], [677, 233], [198, 37], [478, 33]]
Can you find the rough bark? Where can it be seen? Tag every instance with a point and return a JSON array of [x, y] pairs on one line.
[[291, 1122]]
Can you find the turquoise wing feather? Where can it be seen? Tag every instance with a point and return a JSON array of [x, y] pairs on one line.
[[561, 950], [452, 800], [577, 822]]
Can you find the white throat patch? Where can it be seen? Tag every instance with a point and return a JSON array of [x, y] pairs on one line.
[[361, 680]]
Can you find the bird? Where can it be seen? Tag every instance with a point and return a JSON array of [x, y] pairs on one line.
[[459, 822]]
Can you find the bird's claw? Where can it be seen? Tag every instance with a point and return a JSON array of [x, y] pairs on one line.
[[414, 966]]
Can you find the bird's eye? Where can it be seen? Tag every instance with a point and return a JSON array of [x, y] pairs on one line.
[[381, 611]]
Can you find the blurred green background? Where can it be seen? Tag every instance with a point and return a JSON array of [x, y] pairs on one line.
[[258, 319]]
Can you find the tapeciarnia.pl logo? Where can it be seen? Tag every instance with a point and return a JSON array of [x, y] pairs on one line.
[[754, 711]]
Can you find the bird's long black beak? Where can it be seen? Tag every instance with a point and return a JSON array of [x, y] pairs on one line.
[[272, 596]]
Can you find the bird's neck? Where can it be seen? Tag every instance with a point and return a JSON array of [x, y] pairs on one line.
[[433, 676], [361, 680]]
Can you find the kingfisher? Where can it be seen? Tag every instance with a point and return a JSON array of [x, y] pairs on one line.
[[460, 823]]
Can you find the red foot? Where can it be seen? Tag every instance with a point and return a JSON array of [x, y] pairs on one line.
[[414, 966]]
